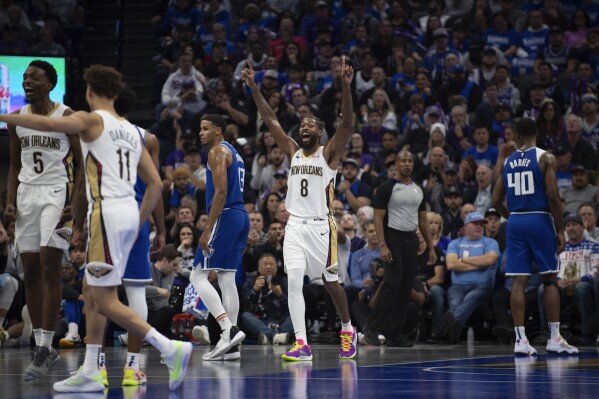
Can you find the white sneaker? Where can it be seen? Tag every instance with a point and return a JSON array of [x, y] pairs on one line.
[[560, 347], [81, 382], [232, 355], [262, 339], [280, 339], [382, 339], [228, 339], [70, 340], [361, 339], [201, 334], [177, 363], [523, 348]]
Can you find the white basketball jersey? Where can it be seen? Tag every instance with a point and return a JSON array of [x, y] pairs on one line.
[[46, 157], [310, 185], [111, 160]]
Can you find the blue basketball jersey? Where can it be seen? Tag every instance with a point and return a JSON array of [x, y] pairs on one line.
[[525, 182], [235, 181], [140, 186]]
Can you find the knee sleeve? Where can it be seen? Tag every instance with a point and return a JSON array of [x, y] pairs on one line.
[[136, 295]]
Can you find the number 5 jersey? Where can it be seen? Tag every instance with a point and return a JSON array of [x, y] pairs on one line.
[[46, 157]]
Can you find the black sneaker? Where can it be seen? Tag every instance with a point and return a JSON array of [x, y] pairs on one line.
[[232, 354], [504, 332], [400, 342], [371, 337], [455, 332], [228, 339], [446, 323]]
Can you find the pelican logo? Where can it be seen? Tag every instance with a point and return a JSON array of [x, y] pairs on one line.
[[98, 271], [64, 233]]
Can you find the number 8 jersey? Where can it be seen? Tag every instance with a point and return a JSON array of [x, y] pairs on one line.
[[46, 157], [111, 160], [524, 181], [311, 185]]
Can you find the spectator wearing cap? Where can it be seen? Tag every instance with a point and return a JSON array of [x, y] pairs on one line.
[[550, 126], [582, 151], [176, 159], [280, 184], [448, 179], [488, 64], [531, 107], [472, 260], [581, 191], [318, 64], [588, 213], [438, 138], [460, 85], [483, 152], [557, 52], [495, 229], [434, 61], [503, 36], [452, 218], [508, 92], [578, 277], [321, 20], [352, 191], [563, 158], [590, 119], [480, 196], [257, 57]]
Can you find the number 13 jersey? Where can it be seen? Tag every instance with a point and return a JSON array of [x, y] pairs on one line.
[[524, 181], [111, 160], [311, 185], [46, 157]]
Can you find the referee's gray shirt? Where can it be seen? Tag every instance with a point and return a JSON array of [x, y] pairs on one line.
[[402, 202]]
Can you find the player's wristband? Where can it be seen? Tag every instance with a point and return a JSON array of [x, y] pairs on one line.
[[382, 244]]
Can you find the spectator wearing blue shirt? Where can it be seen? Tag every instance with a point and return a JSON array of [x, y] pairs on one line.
[[181, 13], [359, 265], [482, 152], [473, 261], [534, 39], [502, 36]]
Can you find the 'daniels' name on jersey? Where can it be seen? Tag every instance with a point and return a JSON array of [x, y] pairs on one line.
[[40, 141], [306, 170], [120, 134]]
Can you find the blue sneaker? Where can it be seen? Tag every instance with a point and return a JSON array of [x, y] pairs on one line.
[[298, 352]]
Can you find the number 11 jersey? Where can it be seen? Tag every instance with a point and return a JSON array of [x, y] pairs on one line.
[[524, 181], [111, 160], [311, 185]]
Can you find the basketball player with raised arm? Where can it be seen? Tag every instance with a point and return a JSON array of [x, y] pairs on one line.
[[310, 245], [224, 237], [529, 184], [45, 176], [113, 154]]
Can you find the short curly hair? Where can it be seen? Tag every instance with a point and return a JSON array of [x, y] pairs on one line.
[[104, 80]]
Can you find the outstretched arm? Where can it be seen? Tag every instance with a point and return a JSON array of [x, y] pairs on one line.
[[73, 124], [336, 146], [286, 143]]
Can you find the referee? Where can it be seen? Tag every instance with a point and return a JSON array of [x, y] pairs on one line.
[[399, 210]]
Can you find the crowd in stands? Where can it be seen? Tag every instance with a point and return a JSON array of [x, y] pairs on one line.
[[443, 79]]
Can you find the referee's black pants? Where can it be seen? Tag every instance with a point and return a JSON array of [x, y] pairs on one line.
[[391, 308]]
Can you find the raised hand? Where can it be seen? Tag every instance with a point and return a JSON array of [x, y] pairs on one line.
[[248, 74], [347, 72]]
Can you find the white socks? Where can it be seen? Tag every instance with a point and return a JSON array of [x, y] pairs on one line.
[[346, 327], [159, 341], [46, 340], [37, 333], [132, 360], [520, 334], [92, 359], [554, 331]]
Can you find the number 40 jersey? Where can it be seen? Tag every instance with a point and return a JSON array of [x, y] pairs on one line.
[[524, 181], [46, 157], [311, 186]]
